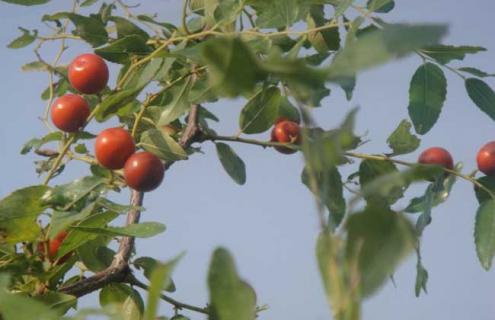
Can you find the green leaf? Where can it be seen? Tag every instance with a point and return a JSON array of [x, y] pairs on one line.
[[328, 189], [27, 2], [69, 194], [114, 102], [329, 263], [324, 40], [342, 7], [482, 95], [61, 220], [123, 49], [118, 293], [381, 6], [279, 13], [378, 239], [162, 145], [148, 265], [179, 105], [18, 213], [127, 28], [445, 53], [90, 29], [440, 194], [160, 279], [231, 162], [95, 255], [371, 170], [261, 111], [138, 230], [88, 3], [379, 46], [484, 233], [144, 75], [489, 183], [15, 306], [427, 94], [133, 307], [24, 40], [34, 66], [476, 72], [37, 143], [230, 297], [288, 110], [421, 278], [77, 238], [227, 59], [57, 301], [402, 141]]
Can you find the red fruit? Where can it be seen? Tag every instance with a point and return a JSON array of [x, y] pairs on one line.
[[144, 171], [69, 112], [286, 131], [285, 119], [88, 73], [53, 245], [113, 147], [486, 159], [437, 156]]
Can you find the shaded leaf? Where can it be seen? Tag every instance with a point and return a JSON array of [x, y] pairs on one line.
[[160, 278], [138, 230], [378, 239], [24, 40], [230, 297], [91, 29], [484, 233], [476, 72], [329, 191], [402, 141], [482, 195], [162, 145], [445, 53], [261, 111], [482, 95], [121, 50], [227, 60], [231, 162], [427, 94], [114, 102], [18, 213], [379, 46], [179, 105], [372, 170], [27, 2]]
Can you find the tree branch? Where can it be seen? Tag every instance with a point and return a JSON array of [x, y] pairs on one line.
[[177, 304], [119, 270]]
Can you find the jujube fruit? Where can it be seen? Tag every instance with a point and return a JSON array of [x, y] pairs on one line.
[[286, 131], [69, 112], [437, 156], [88, 73], [144, 171], [113, 147], [486, 159], [53, 245]]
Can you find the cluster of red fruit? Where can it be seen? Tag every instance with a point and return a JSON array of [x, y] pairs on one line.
[[441, 157], [114, 147]]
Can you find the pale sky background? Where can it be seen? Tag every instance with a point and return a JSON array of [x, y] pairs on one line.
[[270, 224]]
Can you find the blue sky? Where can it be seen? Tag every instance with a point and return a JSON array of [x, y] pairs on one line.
[[270, 224]]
